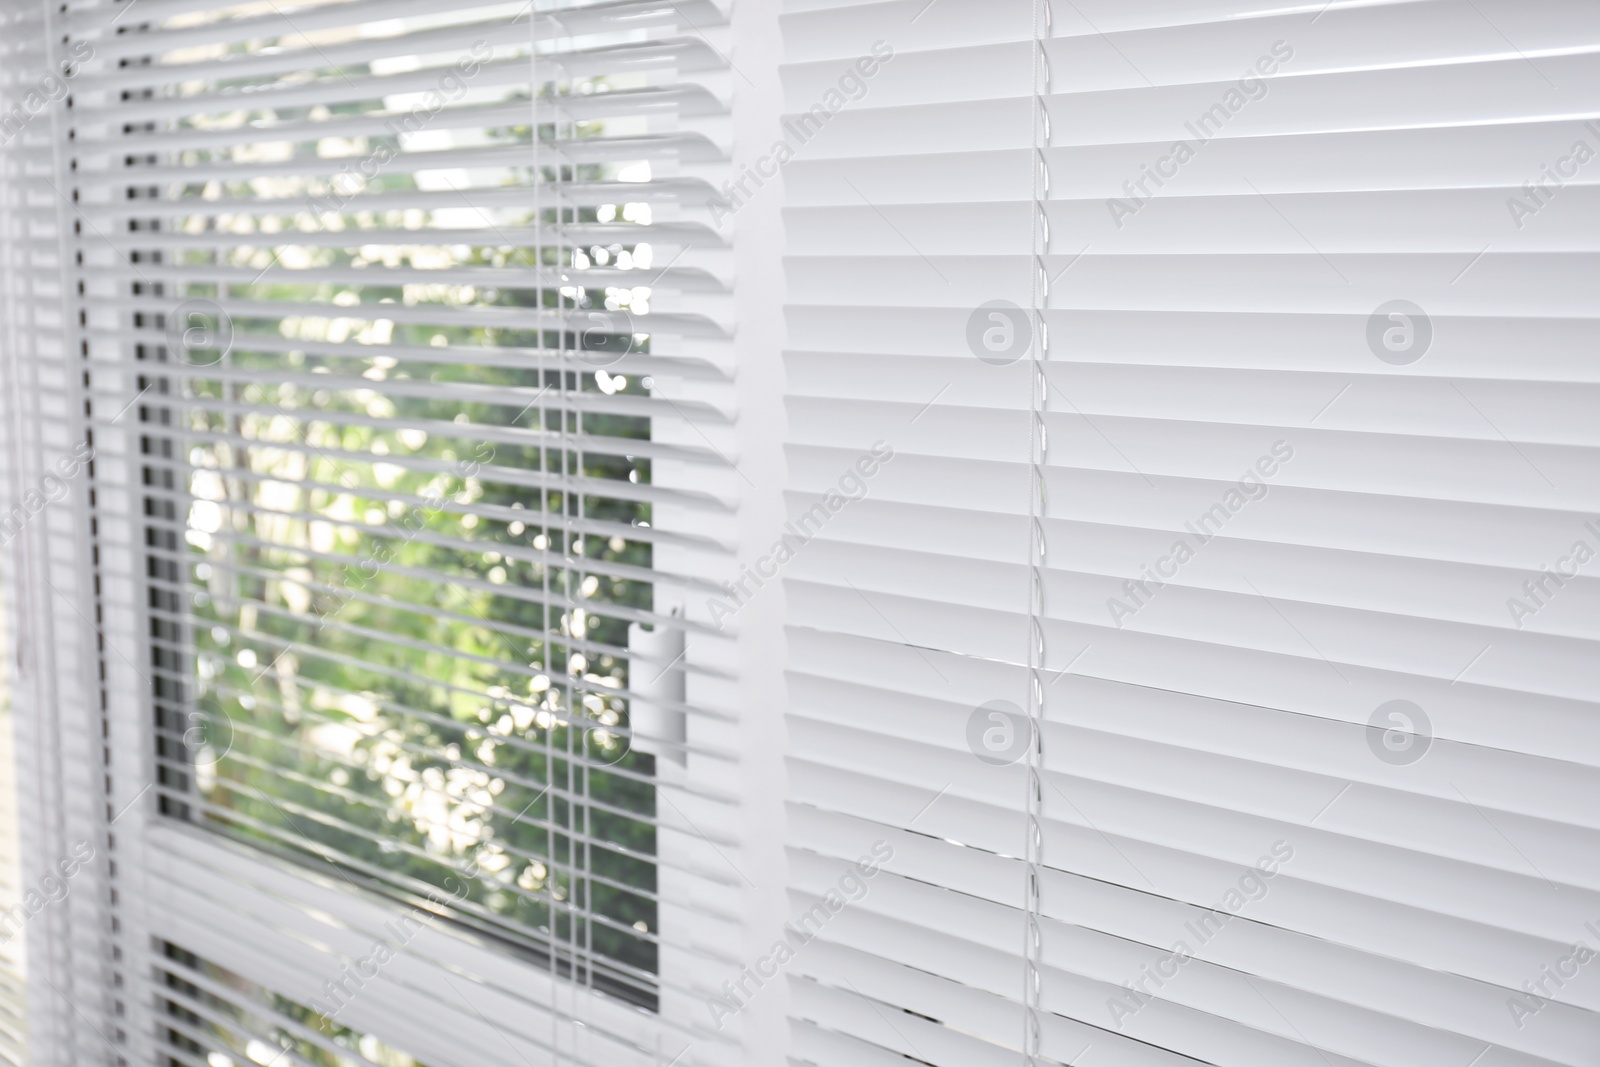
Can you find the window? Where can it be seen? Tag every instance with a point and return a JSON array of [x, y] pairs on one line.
[[402, 461], [660, 532], [401, 501]]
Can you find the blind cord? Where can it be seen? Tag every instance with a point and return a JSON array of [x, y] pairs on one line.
[[1037, 444]]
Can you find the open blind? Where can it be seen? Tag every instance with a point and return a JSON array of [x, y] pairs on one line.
[[423, 337], [209, 1015], [1243, 712]]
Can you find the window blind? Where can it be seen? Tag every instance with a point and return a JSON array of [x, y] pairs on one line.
[[13, 955], [215, 1018], [1216, 650], [13, 906], [59, 916], [423, 342]]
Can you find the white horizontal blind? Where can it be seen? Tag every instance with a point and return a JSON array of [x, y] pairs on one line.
[[1248, 853], [211, 1017], [422, 335], [60, 917], [13, 939], [13, 936], [445, 996]]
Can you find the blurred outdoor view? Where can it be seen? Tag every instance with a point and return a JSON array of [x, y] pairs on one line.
[[397, 526]]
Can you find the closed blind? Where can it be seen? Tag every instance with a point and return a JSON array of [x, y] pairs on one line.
[[1216, 650], [419, 320]]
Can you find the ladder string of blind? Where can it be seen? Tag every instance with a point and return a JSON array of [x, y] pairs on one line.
[[1039, 242]]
